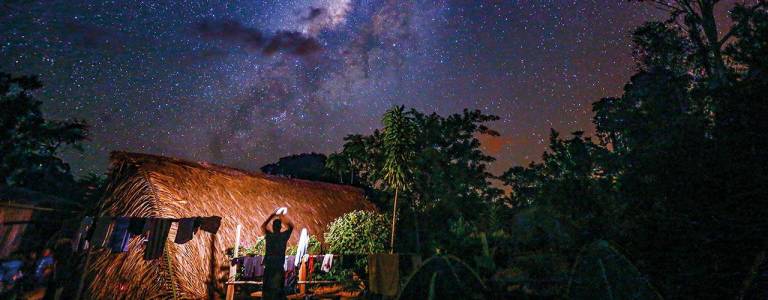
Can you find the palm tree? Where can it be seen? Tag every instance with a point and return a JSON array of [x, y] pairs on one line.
[[398, 139]]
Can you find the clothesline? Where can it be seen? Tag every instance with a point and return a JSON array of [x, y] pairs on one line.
[[33, 207], [114, 232]]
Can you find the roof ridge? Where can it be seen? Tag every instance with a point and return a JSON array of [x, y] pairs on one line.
[[140, 159]]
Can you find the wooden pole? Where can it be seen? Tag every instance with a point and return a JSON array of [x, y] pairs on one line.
[[81, 284], [303, 275], [233, 268]]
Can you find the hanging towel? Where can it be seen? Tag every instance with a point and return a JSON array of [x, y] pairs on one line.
[[210, 224], [136, 225], [327, 263], [301, 249], [120, 235], [384, 274], [158, 233], [101, 232], [82, 234], [186, 230]]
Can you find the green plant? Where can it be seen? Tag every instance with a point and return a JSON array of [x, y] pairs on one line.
[[357, 232], [257, 248], [399, 136], [313, 247]]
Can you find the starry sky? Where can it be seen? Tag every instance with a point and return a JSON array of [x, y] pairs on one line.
[[243, 83]]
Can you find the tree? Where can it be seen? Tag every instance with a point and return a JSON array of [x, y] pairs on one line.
[[677, 163], [30, 144], [452, 181], [398, 138], [309, 166]]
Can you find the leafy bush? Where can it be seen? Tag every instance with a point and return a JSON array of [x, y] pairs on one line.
[[312, 248], [358, 232]]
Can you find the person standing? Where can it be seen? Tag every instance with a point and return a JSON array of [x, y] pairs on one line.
[[274, 256]]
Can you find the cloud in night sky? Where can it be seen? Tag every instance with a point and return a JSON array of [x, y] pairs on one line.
[[254, 39]]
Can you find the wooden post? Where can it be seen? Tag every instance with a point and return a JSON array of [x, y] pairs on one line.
[[81, 284], [233, 269], [303, 269]]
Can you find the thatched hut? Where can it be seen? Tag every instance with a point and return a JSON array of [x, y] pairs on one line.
[[142, 185]]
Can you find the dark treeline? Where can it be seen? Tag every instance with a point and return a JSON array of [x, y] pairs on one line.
[[674, 178]]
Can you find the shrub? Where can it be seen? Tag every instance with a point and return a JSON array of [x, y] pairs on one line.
[[358, 232], [313, 247]]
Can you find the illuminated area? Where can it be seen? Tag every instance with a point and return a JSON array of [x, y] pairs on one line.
[[384, 149]]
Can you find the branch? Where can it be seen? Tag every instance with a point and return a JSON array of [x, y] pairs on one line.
[[731, 32]]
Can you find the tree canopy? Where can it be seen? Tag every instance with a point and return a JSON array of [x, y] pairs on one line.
[[31, 144]]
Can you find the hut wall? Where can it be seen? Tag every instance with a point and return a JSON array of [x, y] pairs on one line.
[[151, 186], [11, 234]]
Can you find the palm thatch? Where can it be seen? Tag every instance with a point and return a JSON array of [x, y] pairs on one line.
[[142, 185]]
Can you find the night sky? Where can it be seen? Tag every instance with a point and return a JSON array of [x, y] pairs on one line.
[[247, 82]]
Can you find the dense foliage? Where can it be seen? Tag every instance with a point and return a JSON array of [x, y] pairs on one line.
[[357, 232], [30, 144], [450, 180], [675, 174], [309, 166]]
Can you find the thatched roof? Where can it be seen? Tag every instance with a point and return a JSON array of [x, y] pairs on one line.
[[144, 185]]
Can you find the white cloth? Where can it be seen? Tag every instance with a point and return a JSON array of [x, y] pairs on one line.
[[327, 263], [301, 249]]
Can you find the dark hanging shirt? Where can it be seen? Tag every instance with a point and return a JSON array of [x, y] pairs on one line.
[[158, 233], [120, 235], [136, 225], [210, 224], [101, 231], [185, 231]]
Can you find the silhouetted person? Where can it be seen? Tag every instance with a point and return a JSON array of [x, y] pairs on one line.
[[274, 256]]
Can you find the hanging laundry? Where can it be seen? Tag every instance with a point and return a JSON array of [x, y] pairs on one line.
[[253, 267], [158, 234], [327, 263], [301, 249], [101, 231], [149, 223], [79, 242], [136, 225], [210, 224], [120, 235], [310, 267], [289, 263], [384, 274], [185, 231]]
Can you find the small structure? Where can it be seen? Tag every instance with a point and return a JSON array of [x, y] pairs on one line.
[[28, 219], [142, 185]]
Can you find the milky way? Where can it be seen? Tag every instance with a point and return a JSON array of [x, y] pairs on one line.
[[244, 83]]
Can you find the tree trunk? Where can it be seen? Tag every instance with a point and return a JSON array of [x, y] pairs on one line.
[[709, 26], [394, 225], [418, 236]]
